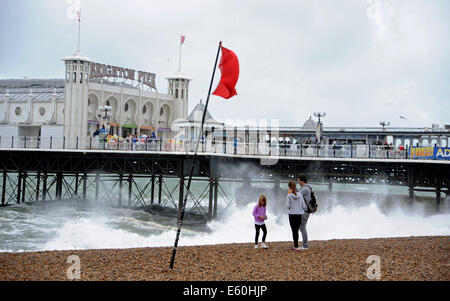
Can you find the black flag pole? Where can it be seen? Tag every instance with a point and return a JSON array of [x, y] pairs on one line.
[[194, 160]]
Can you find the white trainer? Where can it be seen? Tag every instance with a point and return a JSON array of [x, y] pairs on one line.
[[302, 248], [256, 246], [263, 246]]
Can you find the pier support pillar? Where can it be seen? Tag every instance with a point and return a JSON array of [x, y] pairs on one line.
[[97, 186], [216, 194], [438, 199], [84, 186], [38, 183], [181, 195], [76, 185], [152, 197], [19, 187], [160, 183], [130, 188], [411, 185], [276, 187], [211, 197], [44, 187], [58, 192], [24, 181], [4, 188], [330, 186], [120, 188]]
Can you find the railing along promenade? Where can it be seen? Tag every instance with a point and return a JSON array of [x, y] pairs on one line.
[[209, 146]]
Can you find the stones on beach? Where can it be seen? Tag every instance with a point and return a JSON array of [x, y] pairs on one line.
[[418, 258]]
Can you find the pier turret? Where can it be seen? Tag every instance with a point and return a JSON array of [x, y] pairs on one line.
[[178, 86], [76, 97]]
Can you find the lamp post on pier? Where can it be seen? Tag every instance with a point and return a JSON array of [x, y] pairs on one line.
[[384, 124]]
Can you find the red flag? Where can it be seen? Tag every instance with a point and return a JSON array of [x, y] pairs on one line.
[[79, 15], [229, 67], [182, 40]]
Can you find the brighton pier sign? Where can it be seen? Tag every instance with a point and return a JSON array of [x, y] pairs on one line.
[[102, 70]]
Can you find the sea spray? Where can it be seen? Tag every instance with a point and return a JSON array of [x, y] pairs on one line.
[[62, 225]]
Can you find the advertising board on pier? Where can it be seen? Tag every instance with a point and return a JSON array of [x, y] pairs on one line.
[[430, 152]]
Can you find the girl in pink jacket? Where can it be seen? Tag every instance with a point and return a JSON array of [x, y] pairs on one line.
[[259, 213]]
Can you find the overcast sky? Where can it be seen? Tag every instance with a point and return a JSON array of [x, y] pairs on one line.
[[360, 61]]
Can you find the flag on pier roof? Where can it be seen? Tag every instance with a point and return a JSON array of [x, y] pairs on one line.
[[79, 15], [182, 40], [229, 67]]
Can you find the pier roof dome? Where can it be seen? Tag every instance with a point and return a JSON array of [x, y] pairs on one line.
[[197, 114], [309, 124]]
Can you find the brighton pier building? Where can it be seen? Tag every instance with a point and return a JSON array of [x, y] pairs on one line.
[[71, 107]]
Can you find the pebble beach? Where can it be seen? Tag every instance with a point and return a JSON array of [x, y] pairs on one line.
[[408, 258]]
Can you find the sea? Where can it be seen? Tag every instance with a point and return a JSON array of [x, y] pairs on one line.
[[348, 211]]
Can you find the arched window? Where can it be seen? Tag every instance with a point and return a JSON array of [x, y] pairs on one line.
[[182, 93], [126, 107], [74, 77], [81, 77], [176, 93]]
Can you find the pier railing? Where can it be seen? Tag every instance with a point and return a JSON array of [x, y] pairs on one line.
[[209, 146]]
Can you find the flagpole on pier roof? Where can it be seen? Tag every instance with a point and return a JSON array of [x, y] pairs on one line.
[[79, 28], [179, 55], [194, 159]]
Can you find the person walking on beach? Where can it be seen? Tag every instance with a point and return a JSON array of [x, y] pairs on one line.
[[296, 207], [305, 191], [259, 213]]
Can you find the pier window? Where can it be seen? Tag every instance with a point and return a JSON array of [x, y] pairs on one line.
[[182, 93], [176, 93], [81, 77], [126, 107], [74, 77], [67, 77]]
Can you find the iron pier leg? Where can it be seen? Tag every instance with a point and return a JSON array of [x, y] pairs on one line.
[[120, 188], [160, 189], [411, 185], [4, 187], [84, 186], [276, 186], [24, 181], [38, 183], [58, 185], [181, 196], [97, 186], [152, 198], [438, 199], [76, 185], [330, 186], [211, 197], [44, 187], [216, 192], [19, 186], [130, 188]]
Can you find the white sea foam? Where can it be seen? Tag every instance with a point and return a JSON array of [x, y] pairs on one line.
[[237, 226]]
